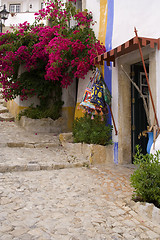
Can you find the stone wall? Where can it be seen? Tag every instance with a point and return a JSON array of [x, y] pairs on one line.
[[96, 154]]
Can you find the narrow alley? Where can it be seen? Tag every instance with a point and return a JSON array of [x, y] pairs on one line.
[[46, 193]]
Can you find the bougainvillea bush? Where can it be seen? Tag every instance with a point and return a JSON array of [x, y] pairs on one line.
[[53, 54]]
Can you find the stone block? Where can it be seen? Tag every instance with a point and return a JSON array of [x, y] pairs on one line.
[[148, 210], [74, 149], [47, 125], [96, 154], [65, 137], [101, 154]]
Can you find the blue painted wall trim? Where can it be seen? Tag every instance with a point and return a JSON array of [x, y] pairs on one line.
[[116, 152], [108, 45]]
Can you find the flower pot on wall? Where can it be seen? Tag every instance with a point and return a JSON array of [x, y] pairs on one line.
[[13, 14]]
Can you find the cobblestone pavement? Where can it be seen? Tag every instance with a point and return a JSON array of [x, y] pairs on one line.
[[37, 203], [66, 204]]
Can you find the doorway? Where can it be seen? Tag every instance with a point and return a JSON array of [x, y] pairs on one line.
[[138, 115]]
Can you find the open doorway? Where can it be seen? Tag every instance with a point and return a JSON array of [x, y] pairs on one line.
[[138, 115]]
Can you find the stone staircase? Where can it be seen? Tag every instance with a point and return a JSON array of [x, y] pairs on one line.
[[4, 113], [22, 150]]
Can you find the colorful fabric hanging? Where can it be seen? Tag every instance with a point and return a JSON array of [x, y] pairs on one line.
[[97, 97], [85, 103]]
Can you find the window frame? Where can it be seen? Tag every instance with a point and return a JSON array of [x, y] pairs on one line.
[[15, 8]]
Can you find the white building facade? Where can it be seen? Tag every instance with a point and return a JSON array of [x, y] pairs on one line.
[[116, 20], [21, 11]]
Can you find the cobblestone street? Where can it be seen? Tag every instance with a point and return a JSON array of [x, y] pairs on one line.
[[66, 204], [47, 194]]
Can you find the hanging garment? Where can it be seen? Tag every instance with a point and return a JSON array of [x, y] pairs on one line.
[[97, 97], [85, 103], [86, 100]]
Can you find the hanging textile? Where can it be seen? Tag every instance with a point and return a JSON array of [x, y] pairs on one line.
[[85, 103], [96, 96]]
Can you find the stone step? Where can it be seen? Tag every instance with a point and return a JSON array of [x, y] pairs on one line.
[[15, 136], [3, 109], [33, 166], [6, 117], [25, 159], [29, 144], [4, 104], [2, 100]]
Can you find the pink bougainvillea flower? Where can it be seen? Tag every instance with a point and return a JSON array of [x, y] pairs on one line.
[[58, 53]]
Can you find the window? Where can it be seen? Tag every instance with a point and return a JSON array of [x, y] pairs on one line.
[[79, 4], [42, 5], [15, 8]]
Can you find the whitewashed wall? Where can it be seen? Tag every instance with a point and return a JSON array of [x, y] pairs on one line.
[[94, 7], [142, 14], [20, 18]]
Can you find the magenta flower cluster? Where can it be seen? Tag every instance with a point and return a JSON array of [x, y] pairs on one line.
[[64, 53]]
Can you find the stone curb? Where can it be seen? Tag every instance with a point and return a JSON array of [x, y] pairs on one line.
[[6, 118], [96, 154], [146, 210], [38, 167], [31, 145]]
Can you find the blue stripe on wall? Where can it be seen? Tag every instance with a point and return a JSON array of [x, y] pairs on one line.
[[116, 152], [108, 45]]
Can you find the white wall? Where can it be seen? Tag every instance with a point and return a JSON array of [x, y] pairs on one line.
[[94, 7], [158, 83], [20, 18], [142, 14]]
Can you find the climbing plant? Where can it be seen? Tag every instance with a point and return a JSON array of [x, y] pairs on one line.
[[50, 54]]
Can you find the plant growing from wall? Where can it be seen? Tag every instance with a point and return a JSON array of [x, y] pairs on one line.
[[92, 131], [54, 54], [146, 178]]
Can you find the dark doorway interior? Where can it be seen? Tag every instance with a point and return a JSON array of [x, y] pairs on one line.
[[139, 120]]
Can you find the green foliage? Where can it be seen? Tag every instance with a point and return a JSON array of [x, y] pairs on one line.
[[48, 92], [39, 112], [33, 82], [91, 131], [146, 178]]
